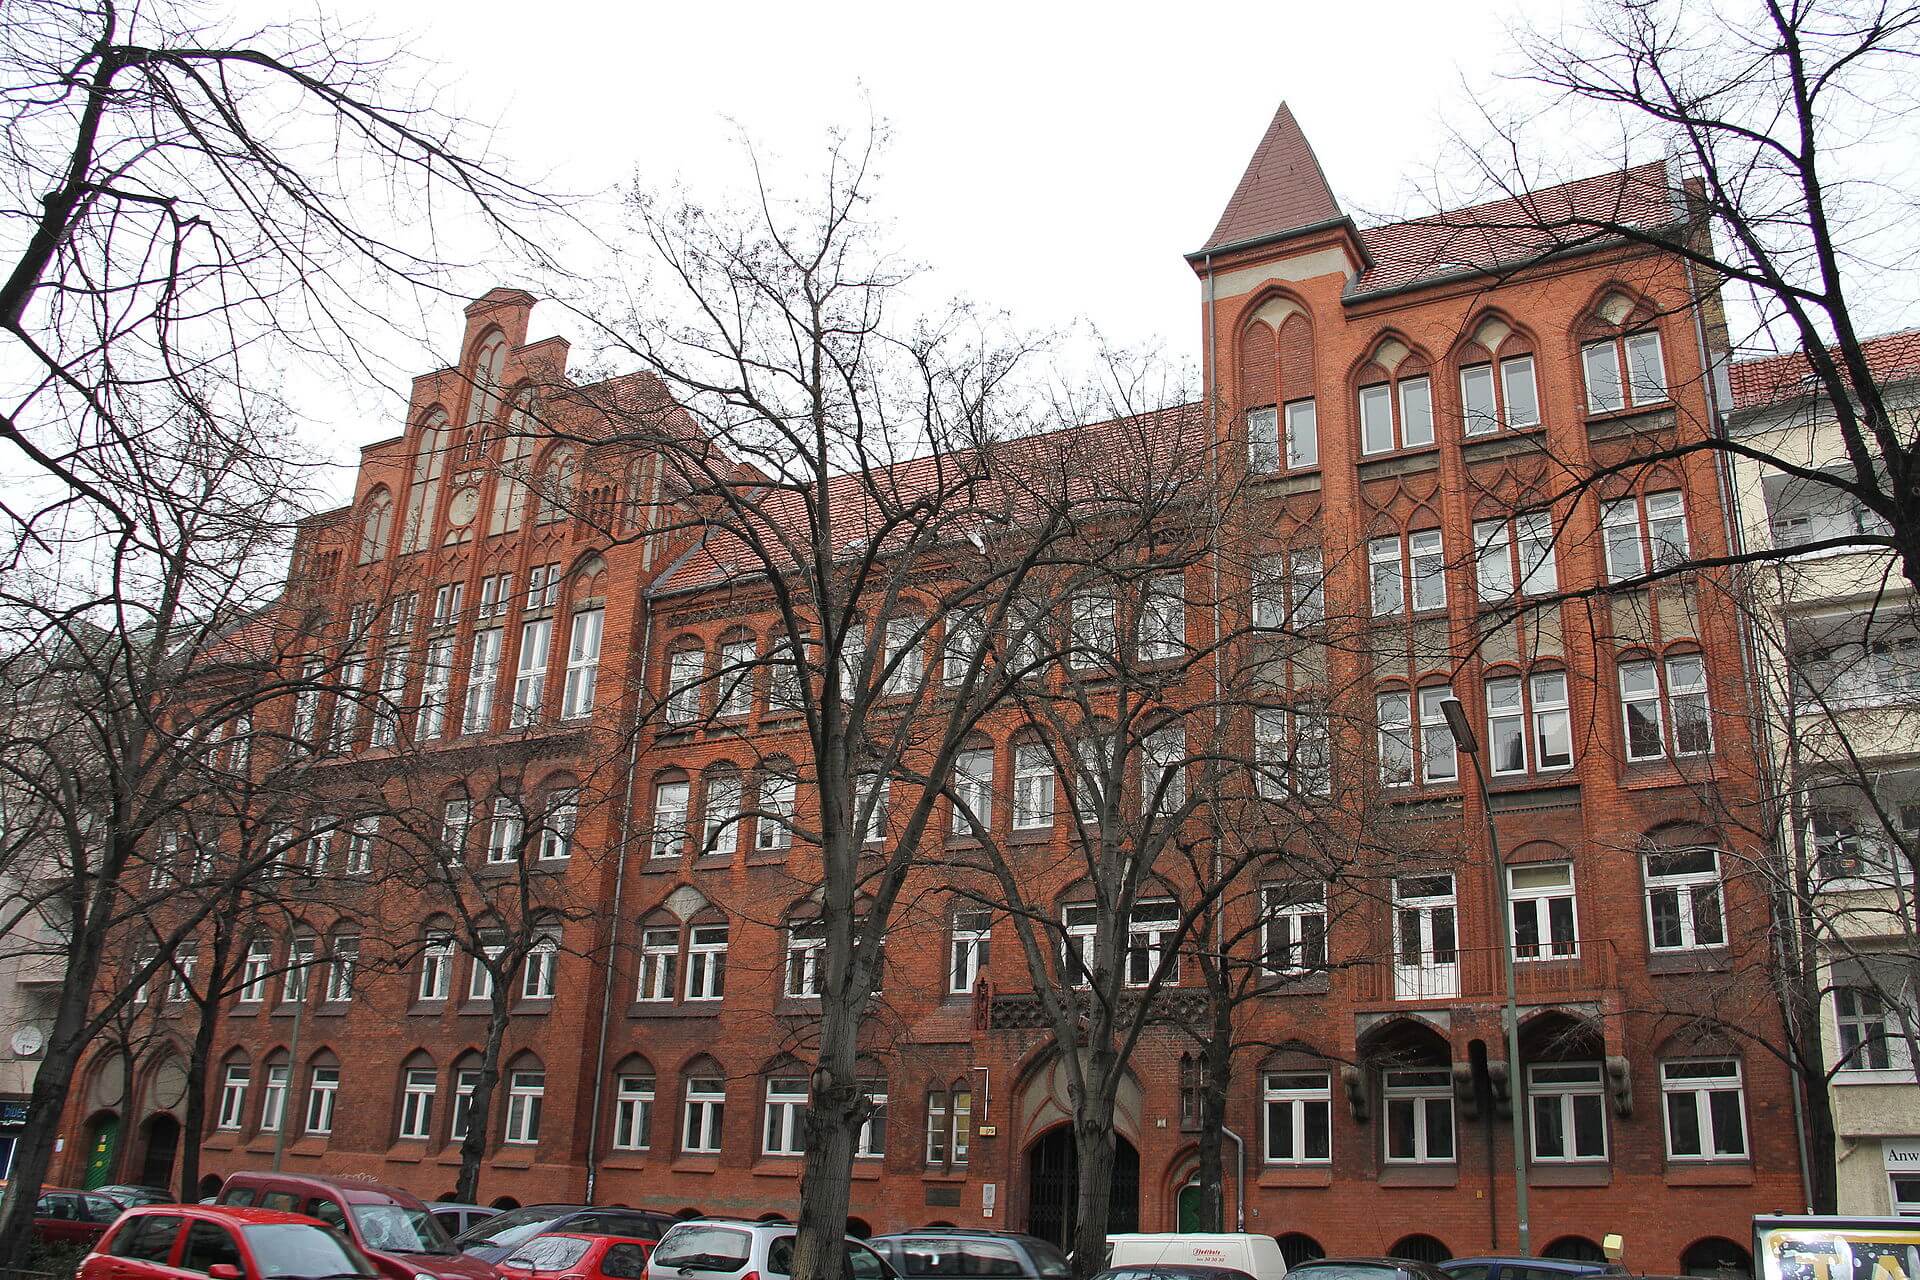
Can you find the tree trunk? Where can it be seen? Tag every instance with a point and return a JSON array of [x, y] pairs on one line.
[[1216, 1078], [1822, 1150], [833, 1120], [194, 1131], [1093, 1152], [33, 1155], [466, 1188]]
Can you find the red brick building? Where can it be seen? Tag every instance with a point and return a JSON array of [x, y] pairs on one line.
[[1401, 401]]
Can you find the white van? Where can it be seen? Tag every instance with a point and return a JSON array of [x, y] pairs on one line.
[[1258, 1256]]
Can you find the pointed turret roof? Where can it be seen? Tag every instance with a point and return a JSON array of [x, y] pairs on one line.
[[1282, 190]]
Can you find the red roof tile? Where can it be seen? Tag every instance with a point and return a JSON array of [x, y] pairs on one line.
[[1893, 357], [1515, 231], [1282, 190]]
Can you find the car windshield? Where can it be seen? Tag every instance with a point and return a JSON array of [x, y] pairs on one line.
[[302, 1249], [704, 1249], [549, 1253], [1047, 1260], [393, 1228], [505, 1230]]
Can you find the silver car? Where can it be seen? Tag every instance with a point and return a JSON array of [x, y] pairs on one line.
[[721, 1249]]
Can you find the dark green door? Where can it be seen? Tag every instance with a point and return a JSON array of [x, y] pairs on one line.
[[1190, 1208], [106, 1136]]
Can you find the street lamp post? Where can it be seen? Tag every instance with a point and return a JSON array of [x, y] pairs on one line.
[[1469, 744]]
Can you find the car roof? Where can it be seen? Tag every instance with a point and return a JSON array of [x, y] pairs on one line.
[[1548, 1264], [352, 1190], [233, 1215], [614, 1236], [438, 1205]]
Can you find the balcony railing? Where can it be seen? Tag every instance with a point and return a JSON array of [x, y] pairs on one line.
[[1474, 973]]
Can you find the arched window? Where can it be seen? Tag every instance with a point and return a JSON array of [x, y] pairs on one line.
[[1297, 1247], [1419, 1248], [1497, 385], [1407, 569], [423, 495], [1718, 1257], [1621, 357], [419, 1086], [483, 404], [323, 1090], [703, 1108], [376, 527], [1575, 1249], [236, 1081], [510, 486], [949, 1124], [526, 1081], [634, 1085], [722, 801], [1395, 400], [558, 481]]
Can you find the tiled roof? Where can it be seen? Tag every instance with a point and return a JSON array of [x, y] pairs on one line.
[[1282, 190], [1011, 479], [1893, 357], [1515, 231]]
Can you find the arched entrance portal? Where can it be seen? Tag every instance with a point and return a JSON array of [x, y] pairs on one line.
[[1053, 1181], [163, 1142]]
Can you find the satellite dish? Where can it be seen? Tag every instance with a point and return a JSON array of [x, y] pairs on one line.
[[27, 1042]]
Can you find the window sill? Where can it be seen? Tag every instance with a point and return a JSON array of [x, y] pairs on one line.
[[333, 1009], [222, 1140], [697, 1162], [514, 1157], [1710, 1173], [778, 1166], [1875, 1076], [1699, 960], [674, 1008], [944, 1177], [1306, 1175], [534, 1005], [1029, 835], [408, 1151], [426, 1008], [769, 857], [1306, 984], [244, 1011], [627, 1160], [313, 1144], [1571, 1174], [868, 1168], [1419, 1175], [661, 866]]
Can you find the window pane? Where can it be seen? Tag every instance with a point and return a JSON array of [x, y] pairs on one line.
[[1376, 419], [1416, 412], [1604, 390], [1476, 399], [1303, 434], [1523, 401]]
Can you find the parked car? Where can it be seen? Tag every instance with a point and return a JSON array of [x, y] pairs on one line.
[[724, 1249], [391, 1226], [1367, 1269], [130, 1195], [455, 1218], [1495, 1268], [1258, 1256], [571, 1255], [956, 1251], [1171, 1271], [63, 1216], [159, 1242], [498, 1236]]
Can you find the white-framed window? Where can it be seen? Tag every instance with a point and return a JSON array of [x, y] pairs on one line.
[[465, 1081], [1293, 925], [969, 949], [435, 677], [1428, 555], [1381, 430], [558, 824], [341, 964], [320, 845], [1439, 756], [482, 675], [1032, 787], [720, 809], [1533, 541], [633, 1112], [233, 1095], [480, 977], [706, 1107], [659, 963], [1683, 899], [871, 1142], [416, 1103], [536, 977], [1419, 1116], [1645, 378], [1515, 404], [972, 791], [393, 692], [1080, 923], [505, 831], [773, 821], [738, 661], [436, 967], [1477, 401], [685, 670], [1162, 632], [1385, 575], [583, 664], [526, 1095], [1506, 727], [1393, 717], [496, 596], [1303, 434], [1263, 440], [900, 656], [1664, 543], [346, 706], [447, 600], [273, 1098], [786, 666], [1687, 696], [1493, 559], [961, 643], [707, 962], [1091, 637], [806, 957], [1150, 934], [1903, 1193], [1544, 919], [180, 985], [361, 834], [1871, 1036], [543, 586], [1705, 1109], [1298, 1116], [530, 681], [1640, 710], [1552, 723], [323, 1088], [786, 1116], [1644, 707], [253, 972], [1092, 751], [1567, 1112], [853, 660], [1163, 770], [870, 798], [670, 819], [456, 820]]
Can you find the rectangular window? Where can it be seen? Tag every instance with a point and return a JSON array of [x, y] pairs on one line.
[[416, 1104], [1640, 711], [447, 600], [1476, 399], [1376, 419], [482, 676], [346, 706], [773, 825], [1385, 576], [536, 979], [530, 682], [870, 798], [1871, 1037], [180, 986], [1667, 528], [465, 1081], [436, 967], [971, 946], [1306, 587], [557, 827], [1091, 639], [480, 983], [720, 815], [253, 972], [738, 660], [1687, 696], [1646, 371], [306, 702], [1605, 389], [526, 1092], [1393, 715], [1706, 1112], [670, 819], [786, 1118], [972, 792], [1419, 1116], [659, 960], [1298, 1117], [1439, 761], [684, 672], [233, 1095], [1534, 533], [455, 820], [1506, 727], [806, 956], [1517, 385], [964, 638], [323, 1086], [706, 1108], [1150, 933], [273, 1099], [1163, 770], [1416, 412], [1493, 559], [320, 846], [583, 664], [496, 593], [632, 1113], [900, 656], [1683, 899], [707, 962], [1429, 569], [1263, 440], [787, 666], [345, 959], [1620, 525], [506, 831], [1163, 620], [1303, 434], [1080, 924], [434, 679], [871, 1143], [1294, 928], [543, 586], [1541, 896], [1567, 1113], [1032, 787], [393, 692]]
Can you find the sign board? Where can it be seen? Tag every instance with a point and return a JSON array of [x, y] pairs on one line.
[[984, 1131], [13, 1111], [989, 1192], [1835, 1248], [1901, 1154]]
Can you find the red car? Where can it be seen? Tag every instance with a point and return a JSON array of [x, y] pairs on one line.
[[61, 1216], [569, 1255], [160, 1241], [387, 1224]]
